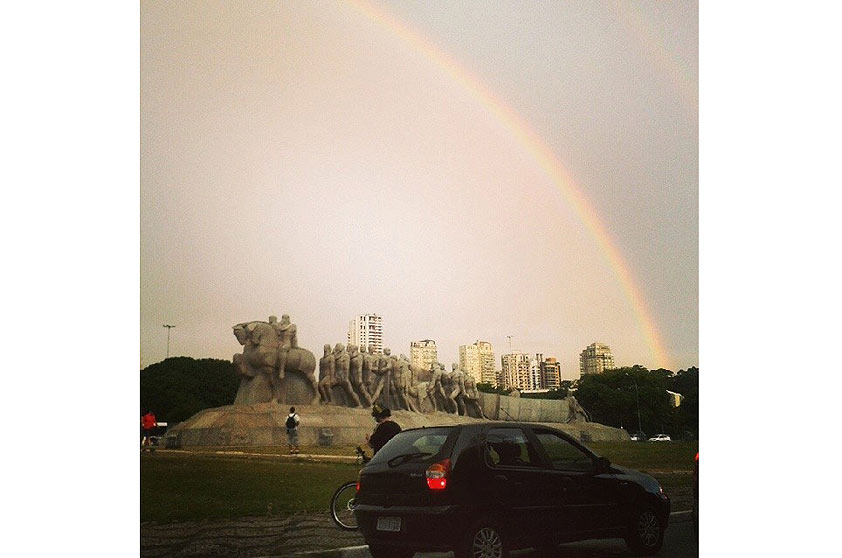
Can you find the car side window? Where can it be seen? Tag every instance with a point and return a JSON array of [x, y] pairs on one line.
[[564, 455], [509, 447]]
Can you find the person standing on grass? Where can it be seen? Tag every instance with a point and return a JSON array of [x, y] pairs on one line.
[[292, 430], [148, 423], [385, 430]]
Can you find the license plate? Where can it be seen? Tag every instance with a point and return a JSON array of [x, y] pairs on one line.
[[389, 524]]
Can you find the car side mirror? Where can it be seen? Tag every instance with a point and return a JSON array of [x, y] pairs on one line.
[[602, 464]]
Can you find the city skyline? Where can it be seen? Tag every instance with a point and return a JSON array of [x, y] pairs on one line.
[[323, 160]]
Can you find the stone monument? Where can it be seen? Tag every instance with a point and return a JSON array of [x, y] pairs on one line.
[[275, 372], [272, 367]]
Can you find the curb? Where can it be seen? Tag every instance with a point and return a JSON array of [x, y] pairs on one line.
[[292, 457], [683, 515]]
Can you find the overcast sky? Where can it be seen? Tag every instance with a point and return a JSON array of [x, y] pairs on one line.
[[310, 158]]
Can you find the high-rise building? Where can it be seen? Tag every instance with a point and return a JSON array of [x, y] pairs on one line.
[[536, 380], [595, 359], [423, 354], [365, 330], [516, 371], [477, 360], [551, 373]]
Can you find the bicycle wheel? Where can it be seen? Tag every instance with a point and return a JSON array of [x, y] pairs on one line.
[[342, 506]]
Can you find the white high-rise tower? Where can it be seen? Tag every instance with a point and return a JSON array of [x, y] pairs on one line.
[[365, 330]]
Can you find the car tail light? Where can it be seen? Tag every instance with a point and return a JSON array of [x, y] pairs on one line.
[[358, 486], [437, 475]]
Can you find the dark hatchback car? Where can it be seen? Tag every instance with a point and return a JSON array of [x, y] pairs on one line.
[[484, 489]]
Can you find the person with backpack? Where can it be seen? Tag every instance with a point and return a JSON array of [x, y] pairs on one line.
[[292, 430]]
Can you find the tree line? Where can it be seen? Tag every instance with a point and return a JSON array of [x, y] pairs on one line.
[[615, 397]]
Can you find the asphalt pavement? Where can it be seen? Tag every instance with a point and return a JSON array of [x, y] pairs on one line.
[[679, 542]]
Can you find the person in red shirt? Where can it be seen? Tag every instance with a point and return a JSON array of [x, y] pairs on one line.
[[148, 423]]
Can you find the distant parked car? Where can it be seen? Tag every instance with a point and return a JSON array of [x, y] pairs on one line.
[[486, 488], [638, 437], [660, 438]]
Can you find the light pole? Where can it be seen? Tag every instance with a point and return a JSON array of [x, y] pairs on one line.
[[637, 399], [169, 327]]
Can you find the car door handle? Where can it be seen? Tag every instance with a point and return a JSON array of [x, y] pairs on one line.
[[501, 477]]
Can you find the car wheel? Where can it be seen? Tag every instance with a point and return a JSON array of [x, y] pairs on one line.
[[378, 551], [483, 540], [645, 533]]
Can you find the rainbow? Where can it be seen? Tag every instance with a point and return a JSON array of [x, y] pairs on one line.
[[543, 155]]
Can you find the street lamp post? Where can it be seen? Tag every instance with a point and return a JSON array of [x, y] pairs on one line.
[[637, 400], [169, 327]]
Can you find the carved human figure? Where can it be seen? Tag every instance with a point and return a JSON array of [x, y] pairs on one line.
[[370, 363], [576, 412], [381, 369], [438, 389], [288, 336], [447, 384], [343, 365], [366, 366], [457, 392], [327, 375], [393, 393], [356, 375], [434, 391], [404, 384], [472, 405]]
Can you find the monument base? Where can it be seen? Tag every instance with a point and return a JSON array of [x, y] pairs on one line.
[[262, 424]]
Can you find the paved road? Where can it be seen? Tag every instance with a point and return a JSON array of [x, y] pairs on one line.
[[680, 542]]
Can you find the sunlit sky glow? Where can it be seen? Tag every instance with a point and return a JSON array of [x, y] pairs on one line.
[[467, 172]]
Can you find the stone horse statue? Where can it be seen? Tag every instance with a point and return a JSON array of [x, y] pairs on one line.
[[258, 368]]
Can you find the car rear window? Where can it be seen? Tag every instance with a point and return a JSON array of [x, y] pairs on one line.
[[421, 443]]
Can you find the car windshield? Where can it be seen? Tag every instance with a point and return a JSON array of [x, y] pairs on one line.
[[412, 445]]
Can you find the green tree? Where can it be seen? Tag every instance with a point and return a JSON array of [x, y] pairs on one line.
[[486, 387], [615, 397], [686, 382], [179, 387]]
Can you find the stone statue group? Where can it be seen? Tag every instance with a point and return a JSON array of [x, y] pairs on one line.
[[366, 377], [348, 376]]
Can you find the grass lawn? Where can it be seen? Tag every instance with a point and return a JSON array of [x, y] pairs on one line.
[[181, 486], [649, 456], [177, 486]]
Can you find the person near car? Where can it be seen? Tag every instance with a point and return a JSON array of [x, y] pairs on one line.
[[148, 424], [385, 430], [292, 430]]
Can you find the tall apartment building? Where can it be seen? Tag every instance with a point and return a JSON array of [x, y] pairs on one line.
[[551, 373], [477, 359], [595, 359], [423, 354], [536, 381], [516, 371], [365, 330]]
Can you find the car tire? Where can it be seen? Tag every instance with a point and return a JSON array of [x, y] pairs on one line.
[[378, 551], [645, 534], [483, 540]]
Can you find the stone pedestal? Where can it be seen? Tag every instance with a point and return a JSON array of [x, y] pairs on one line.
[[262, 424]]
